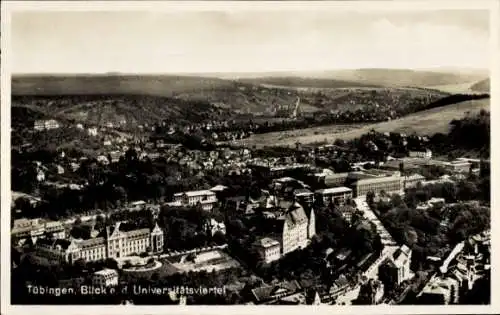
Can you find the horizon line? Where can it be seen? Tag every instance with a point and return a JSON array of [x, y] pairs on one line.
[[192, 73]]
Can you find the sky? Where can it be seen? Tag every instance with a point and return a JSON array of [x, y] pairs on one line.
[[251, 41]]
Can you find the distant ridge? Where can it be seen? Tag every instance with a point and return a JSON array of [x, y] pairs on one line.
[[481, 86]]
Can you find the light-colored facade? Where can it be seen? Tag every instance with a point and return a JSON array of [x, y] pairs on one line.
[[92, 131], [25, 228], [212, 226], [268, 249], [426, 154], [389, 184], [113, 244], [41, 125], [335, 179], [397, 268], [412, 180], [206, 198], [334, 195], [297, 229], [458, 166], [105, 278]]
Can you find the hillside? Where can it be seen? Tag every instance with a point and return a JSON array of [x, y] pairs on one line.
[[304, 83], [400, 77], [481, 86], [102, 109], [101, 98], [425, 122], [157, 85], [360, 77]]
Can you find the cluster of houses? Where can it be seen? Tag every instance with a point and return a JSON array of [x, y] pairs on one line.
[[468, 262]]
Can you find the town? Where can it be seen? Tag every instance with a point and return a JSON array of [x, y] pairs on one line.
[[274, 154], [376, 220]]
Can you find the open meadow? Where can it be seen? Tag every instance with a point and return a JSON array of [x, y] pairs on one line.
[[426, 122]]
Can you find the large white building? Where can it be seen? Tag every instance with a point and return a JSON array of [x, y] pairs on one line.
[[113, 243], [334, 195], [298, 228], [206, 198], [389, 184]]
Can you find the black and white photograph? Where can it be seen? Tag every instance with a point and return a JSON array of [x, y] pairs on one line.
[[287, 154]]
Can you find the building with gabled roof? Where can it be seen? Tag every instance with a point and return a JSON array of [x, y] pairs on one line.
[[120, 241], [269, 294], [396, 268]]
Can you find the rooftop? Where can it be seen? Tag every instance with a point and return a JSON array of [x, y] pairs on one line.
[[195, 193], [267, 242], [334, 190]]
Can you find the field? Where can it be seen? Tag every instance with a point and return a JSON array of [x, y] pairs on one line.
[[426, 123], [455, 88]]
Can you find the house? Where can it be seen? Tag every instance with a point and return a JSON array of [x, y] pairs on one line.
[[50, 124], [105, 278], [425, 154], [347, 212], [103, 160], [92, 131], [336, 195], [212, 226], [206, 198], [412, 180], [40, 176], [268, 249], [396, 268], [270, 294], [442, 291]]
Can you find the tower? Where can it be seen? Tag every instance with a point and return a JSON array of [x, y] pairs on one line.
[[157, 239]]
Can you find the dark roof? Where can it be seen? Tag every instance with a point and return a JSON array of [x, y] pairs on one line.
[[295, 215], [54, 243], [269, 292]]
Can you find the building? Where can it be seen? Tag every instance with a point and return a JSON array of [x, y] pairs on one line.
[[347, 212], [304, 197], [411, 181], [334, 180], [277, 171], [212, 226], [336, 195], [206, 198], [442, 291], [105, 278], [41, 125], [425, 154], [121, 241], [458, 166], [298, 228], [396, 269], [389, 184], [270, 294], [92, 131], [268, 249], [24, 229]]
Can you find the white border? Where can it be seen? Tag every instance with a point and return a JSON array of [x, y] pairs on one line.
[[401, 5]]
